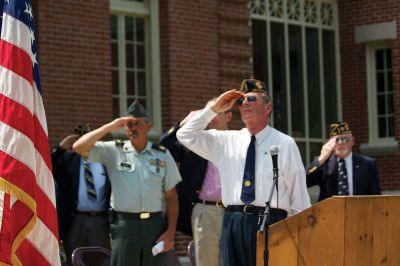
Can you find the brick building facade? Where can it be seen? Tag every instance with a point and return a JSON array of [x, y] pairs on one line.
[[206, 47], [354, 76]]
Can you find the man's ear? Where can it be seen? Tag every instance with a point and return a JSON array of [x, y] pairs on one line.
[[268, 107], [149, 126], [228, 116]]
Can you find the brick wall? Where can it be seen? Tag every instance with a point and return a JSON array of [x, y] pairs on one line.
[[74, 50], [205, 50], [354, 13]]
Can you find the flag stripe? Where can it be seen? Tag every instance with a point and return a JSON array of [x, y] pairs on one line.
[[16, 88], [11, 54], [12, 25], [21, 91], [44, 240], [9, 140], [39, 111], [12, 113], [17, 145], [33, 257]]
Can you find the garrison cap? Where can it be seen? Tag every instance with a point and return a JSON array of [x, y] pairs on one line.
[[339, 128], [82, 129], [254, 85], [137, 110]]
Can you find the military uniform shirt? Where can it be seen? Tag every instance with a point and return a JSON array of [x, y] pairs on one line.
[[228, 149], [138, 180]]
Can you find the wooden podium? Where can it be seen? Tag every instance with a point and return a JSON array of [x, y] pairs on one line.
[[356, 230]]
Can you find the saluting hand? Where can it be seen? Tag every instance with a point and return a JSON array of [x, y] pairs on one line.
[[226, 100], [68, 141], [118, 123], [326, 150]]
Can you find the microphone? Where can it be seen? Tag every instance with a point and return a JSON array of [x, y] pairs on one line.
[[274, 150]]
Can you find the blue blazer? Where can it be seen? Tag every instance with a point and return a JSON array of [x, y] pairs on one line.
[[365, 176]]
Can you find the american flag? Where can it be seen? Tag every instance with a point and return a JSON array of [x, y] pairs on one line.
[[28, 220]]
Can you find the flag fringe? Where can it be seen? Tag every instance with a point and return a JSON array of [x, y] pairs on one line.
[[24, 197]]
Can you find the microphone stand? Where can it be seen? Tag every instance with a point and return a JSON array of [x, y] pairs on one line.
[[266, 214]]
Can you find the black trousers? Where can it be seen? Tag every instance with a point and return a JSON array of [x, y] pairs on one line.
[[239, 238]]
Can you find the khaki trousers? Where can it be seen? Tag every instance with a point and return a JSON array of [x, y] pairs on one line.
[[206, 225]]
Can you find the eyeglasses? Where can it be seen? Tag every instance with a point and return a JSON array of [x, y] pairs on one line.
[[250, 99], [342, 140]]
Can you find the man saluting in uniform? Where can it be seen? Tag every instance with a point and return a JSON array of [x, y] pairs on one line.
[[143, 178]]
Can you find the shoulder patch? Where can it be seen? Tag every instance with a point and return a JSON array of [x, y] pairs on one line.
[[159, 147], [312, 170], [171, 130]]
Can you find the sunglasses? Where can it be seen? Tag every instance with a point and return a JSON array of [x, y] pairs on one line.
[[250, 99], [342, 140]]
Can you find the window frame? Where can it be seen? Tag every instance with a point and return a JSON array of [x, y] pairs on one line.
[[149, 11], [320, 26], [375, 143]]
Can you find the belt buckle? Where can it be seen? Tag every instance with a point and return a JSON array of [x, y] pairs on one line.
[[218, 203], [245, 209], [144, 215]]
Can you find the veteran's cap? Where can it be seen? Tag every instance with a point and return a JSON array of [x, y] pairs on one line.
[[137, 110], [82, 129], [254, 85], [339, 128]]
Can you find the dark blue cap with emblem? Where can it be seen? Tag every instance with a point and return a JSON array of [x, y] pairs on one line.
[[137, 110], [254, 85], [339, 128]]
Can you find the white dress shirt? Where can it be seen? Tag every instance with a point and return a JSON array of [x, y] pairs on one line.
[[228, 149]]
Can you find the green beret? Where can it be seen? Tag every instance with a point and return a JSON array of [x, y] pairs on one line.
[[339, 128], [254, 85], [137, 110]]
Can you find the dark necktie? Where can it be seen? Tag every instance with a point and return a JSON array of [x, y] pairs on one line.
[[248, 186], [343, 185], [90, 188]]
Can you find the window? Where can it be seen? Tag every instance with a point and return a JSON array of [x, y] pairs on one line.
[[295, 52], [380, 97], [135, 66]]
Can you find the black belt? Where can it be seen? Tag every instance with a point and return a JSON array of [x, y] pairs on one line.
[[138, 215], [251, 209], [209, 202], [93, 213]]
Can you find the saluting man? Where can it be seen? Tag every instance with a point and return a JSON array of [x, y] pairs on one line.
[[143, 177], [339, 171], [244, 163]]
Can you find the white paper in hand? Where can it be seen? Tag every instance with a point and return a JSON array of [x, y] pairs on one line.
[[157, 248]]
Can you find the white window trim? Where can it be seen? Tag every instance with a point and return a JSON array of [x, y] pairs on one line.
[[150, 10], [375, 144], [307, 140]]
